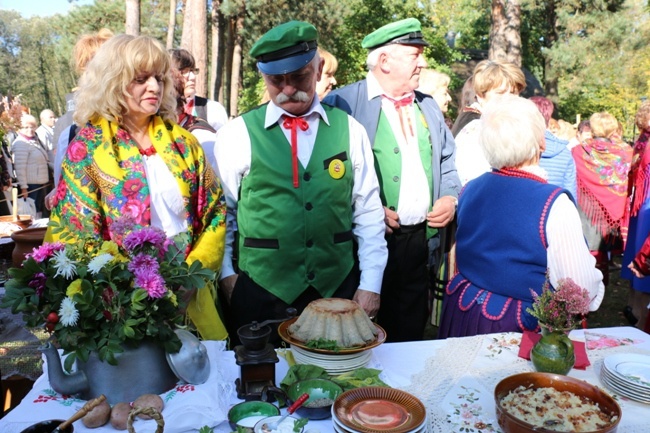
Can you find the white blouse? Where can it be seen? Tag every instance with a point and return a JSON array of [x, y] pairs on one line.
[[567, 254], [167, 205]]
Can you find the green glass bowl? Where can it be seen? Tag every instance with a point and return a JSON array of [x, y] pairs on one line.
[[322, 394], [248, 413]]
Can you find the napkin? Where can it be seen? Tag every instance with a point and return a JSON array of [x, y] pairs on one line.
[[529, 339]]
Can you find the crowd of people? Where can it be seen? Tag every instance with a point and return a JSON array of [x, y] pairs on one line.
[[362, 191]]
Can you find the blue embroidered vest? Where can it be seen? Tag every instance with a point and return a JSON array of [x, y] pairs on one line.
[[501, 248]]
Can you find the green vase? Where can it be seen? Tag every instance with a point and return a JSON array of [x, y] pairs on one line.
[[553, 353]]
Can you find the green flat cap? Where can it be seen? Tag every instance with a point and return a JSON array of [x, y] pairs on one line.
[[407, 32], [285, 48]]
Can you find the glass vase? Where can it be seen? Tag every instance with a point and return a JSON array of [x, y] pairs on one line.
[[554, 352]]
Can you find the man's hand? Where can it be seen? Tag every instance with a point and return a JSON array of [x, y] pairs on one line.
[[369, 301], [24, 192], [443, 211], [391, 219], [227, 285]]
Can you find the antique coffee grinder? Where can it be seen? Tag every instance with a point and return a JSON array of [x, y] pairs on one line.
[[256, 358]]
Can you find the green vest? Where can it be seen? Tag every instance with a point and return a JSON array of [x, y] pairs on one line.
[[388, 161], [292, 238]]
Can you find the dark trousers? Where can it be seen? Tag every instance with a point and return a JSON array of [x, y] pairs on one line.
[[37, 192], [404, 305], [251, 302]]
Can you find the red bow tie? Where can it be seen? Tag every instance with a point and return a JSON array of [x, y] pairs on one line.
[[293, 123], [399, 104]]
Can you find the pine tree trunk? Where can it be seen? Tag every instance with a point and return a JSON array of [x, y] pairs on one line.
[[505, 36], [550, 76], [171, 24], [236, 66], [132, 25], [194, 39], [216, 62]]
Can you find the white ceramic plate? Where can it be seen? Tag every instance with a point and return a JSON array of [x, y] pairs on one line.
[[631, 368], [622, 390]]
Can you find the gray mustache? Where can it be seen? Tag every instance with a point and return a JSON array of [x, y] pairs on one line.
[[299, 96]]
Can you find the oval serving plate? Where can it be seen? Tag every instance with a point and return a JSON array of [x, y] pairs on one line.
[[283, 330], [376, 409]]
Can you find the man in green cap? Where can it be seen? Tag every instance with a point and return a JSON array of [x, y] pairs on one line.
[[414, 160], [301, 191]]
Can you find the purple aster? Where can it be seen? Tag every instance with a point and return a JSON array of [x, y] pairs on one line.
[[151, 235], [38, 283], [45, 251], [150, 281], [143, 261], [123, 225]]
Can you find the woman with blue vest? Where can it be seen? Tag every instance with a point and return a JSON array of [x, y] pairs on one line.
[[514, 230]]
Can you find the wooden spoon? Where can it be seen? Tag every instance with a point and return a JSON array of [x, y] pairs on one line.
[[90, 405]]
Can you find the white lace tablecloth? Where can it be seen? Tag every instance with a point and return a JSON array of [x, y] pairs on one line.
[[455, 379]]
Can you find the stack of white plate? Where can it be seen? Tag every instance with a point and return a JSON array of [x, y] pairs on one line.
[[378, 410], [332, 363], [629, 375]]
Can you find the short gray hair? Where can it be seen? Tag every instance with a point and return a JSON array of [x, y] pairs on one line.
[[512, 129], [373, 55]]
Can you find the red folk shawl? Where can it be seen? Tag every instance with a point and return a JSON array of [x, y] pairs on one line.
[[640, 172], [602, 167]]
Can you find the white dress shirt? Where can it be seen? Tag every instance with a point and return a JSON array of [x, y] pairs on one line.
[[415, 192], [233, 154]]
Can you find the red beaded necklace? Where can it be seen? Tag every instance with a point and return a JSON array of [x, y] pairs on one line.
[[517, 172], [147, 152]]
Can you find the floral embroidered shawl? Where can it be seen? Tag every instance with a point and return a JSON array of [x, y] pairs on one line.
[[602, 167], [103, 178], [640, 172]]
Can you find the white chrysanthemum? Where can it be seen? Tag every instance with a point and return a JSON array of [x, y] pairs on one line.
[[68, 313], [63, 265], [97, 263]]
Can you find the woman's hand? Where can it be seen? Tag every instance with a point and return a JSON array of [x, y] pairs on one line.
[[49, 199], [635, 270], [227, 286], [24, 192]]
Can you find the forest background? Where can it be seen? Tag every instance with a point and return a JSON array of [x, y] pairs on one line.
[[588, 55]]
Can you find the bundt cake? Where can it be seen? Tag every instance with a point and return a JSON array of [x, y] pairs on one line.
[[340, 320]]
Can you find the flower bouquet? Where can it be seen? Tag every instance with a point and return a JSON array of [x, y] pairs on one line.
[[562, 308], [96, 296]]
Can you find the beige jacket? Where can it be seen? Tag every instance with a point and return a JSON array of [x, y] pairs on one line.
[[30, 161]]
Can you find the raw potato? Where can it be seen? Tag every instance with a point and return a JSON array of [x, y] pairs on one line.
[[148, 400], [119, 415], [98, 416]]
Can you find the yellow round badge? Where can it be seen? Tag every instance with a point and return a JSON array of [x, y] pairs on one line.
[[336, 169]]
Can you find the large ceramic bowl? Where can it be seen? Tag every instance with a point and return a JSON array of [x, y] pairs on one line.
[[248, 413], [322, 394], [47, 427], [511, 424]]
